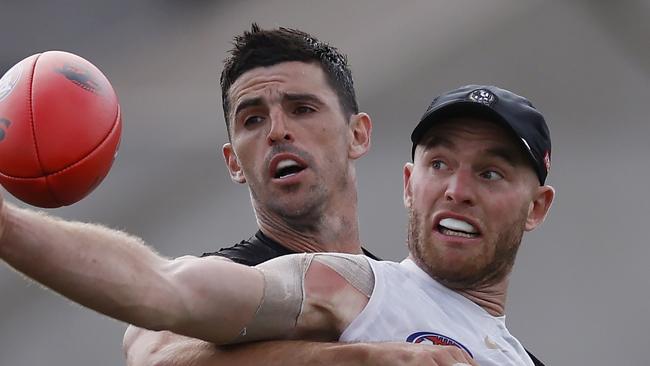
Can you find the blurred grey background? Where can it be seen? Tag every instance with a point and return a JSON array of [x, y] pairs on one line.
[[580, 292]]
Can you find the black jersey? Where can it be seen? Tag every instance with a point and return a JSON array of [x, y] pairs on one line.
[[257, 249]]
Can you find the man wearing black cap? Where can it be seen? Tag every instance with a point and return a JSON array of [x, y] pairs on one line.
[[481, 155], [476, 184]]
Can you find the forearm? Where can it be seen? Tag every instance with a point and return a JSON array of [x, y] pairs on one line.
[[89, 264], [293, 353], [146, 348], [116, 274], [301, 353]]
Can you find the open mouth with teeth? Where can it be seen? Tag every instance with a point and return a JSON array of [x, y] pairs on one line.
[[458, 228], [287, 168]]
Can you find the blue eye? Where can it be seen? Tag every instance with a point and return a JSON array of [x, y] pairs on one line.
[[438, 165]]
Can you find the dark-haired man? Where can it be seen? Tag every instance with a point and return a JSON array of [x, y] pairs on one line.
[[295, 131], [481, 155]]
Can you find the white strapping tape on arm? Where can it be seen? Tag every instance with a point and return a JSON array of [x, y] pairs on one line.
[[282, 301]]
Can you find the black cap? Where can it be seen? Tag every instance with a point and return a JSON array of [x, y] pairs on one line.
[[514, 112]]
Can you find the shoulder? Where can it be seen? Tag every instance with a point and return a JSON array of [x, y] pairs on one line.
[[338, 270], [341, 284], [339, 262], [324, 270], [368, 254]]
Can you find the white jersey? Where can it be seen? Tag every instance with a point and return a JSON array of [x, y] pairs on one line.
[[408, 305]]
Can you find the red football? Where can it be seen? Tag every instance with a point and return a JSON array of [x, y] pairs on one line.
[[60, 129]]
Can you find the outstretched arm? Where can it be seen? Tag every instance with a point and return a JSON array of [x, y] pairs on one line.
[[205, 298], [322, 285], [147, 348], [118, 275]]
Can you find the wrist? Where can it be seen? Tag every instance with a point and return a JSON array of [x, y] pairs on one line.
[[11, 223], [10, 217], [4, 221]]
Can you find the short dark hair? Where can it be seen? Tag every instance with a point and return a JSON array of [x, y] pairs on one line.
[[259, 47]]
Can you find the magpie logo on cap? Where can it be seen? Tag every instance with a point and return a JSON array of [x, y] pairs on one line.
[[482, 96]]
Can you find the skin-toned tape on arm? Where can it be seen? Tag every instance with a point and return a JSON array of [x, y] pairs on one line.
[[354, 268], [282, 301]]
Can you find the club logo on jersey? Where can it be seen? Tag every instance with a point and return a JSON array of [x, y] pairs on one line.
[[436, 339], [80, 76], [4, 124], [482, 96], [10, 79]]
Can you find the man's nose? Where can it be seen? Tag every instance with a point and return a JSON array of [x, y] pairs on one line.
[[279, 130], [460, 187]]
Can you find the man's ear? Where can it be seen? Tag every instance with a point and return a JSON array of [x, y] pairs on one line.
[[539, 207], [236, 174], [408, 190], [360, 128]]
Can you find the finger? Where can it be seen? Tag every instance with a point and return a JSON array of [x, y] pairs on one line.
[[453, 356], [449, 356], [463, 358]]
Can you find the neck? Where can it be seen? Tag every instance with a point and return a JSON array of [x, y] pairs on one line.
[[336, 229], [492, 298]]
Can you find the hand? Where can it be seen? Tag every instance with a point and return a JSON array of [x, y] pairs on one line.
[[406, 354]]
